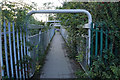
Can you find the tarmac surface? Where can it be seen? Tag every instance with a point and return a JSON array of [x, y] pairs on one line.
[[57, 64]]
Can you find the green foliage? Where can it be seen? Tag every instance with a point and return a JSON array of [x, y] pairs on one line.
[[107, 66], [17, 11], [26, 60], [103, 68], [80, 57]]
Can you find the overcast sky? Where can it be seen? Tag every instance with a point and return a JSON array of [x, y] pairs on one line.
[[40, 6]]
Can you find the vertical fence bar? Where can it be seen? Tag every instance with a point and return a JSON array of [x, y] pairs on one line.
[[91, 51], [49, 35], [39, 36], [111, 45], [96, 41], [86, 44], [25, 53], [10, 48], [1, 57], [15, 51], [6, 54], [101, 41], [22, 53], [106, 39], [43, 42], [46, 41], [18, 49]]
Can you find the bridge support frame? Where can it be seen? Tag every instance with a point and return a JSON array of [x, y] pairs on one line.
[[70, 11]]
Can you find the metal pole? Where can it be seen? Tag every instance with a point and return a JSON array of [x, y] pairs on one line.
[[6, 51], [70, 11], [0, 48], [10, 48]]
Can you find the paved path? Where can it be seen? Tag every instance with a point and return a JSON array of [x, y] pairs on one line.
[[57, 65]]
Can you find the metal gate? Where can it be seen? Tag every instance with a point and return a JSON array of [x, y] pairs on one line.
[[15, 53], [102, 40]]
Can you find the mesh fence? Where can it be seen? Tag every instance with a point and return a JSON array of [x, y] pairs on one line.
[[39, 43]]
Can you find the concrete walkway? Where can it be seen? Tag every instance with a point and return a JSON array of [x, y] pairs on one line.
[[57, 64]]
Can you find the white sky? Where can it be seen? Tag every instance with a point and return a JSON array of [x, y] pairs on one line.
[[40, 6]]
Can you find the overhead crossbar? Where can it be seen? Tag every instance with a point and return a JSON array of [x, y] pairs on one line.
[[70, 11]]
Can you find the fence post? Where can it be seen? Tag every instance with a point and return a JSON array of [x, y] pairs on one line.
[[101, 41], [39, 35], [6, 53], [22, 53], [14, 50], [10, 48], [1, 60], [91, 51], [25, 53], [96, 41], [18, 53]]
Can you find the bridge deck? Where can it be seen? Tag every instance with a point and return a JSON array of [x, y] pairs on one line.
[[57, 64]]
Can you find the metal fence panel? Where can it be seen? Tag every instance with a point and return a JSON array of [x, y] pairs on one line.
[[84, 62], [40, 43], [18, 43]]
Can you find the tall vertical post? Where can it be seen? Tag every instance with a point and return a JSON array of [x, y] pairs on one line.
[[25, 52], [96, 41], [1, 59], [18, 54], [16, 72], [10, 48], [101, 41], [106, 41], [22, 52], [6, 53], [91, 49]]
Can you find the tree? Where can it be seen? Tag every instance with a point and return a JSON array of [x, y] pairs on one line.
[[17, 11]]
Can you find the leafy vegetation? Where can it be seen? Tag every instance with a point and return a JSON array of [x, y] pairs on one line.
[[17, 11], [100, 69], [104, 67], [102, 12]]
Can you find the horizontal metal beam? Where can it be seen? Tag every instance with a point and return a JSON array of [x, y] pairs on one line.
[[33, 26], [64, 11]]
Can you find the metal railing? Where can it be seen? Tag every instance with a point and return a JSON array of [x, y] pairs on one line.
[[85, 39], [64, 33], [14, 48], [40, 43]]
